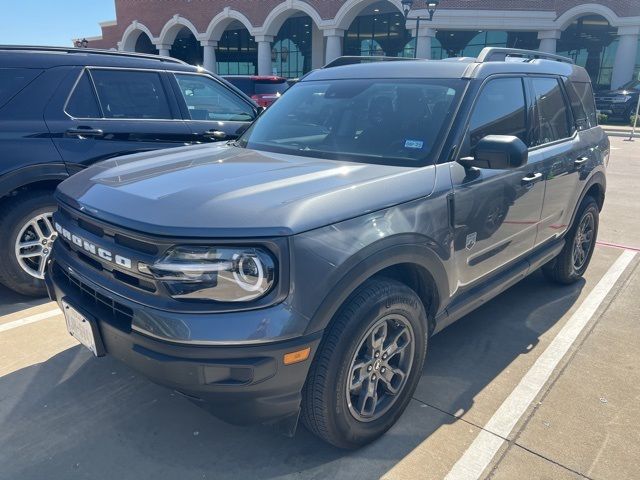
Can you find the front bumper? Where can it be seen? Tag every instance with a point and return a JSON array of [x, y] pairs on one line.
[[241, 384]]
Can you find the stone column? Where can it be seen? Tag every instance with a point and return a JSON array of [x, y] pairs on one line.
[[164, 50], [264, 54], [317, 47], [625, 60], [334, 44], [209, 55], [423, 41], [548, 40]]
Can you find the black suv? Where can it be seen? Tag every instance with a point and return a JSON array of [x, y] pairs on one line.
[[620, 103], [63, 109], [304, 267]]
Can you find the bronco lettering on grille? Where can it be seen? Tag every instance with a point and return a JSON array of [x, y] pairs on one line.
[[93, 248]]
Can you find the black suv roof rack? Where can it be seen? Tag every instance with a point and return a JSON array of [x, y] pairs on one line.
[[36, 48], [352, 60], [499, 54]]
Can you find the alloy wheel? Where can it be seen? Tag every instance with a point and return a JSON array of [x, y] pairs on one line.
[[34, 242], [582, 241]]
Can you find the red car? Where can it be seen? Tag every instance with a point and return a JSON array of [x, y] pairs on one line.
[[264, 90]]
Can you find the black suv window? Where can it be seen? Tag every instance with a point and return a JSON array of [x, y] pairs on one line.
[[12, 80], [582, 104], [207, 99], [82, 102], [499, 110], [131, 94], [552, 115]]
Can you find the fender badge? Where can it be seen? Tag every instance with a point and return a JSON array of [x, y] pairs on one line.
[[471, 240]]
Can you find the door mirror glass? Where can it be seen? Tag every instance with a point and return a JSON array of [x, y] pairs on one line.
[[497, 152]]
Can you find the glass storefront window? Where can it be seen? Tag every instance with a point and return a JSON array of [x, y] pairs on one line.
[[237, 52], [186, 48], [591, 42], [291, 51], [469, 43], [379, 33]]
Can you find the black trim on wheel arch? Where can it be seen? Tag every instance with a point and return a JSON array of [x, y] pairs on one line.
[[24, 176], [597, 178]]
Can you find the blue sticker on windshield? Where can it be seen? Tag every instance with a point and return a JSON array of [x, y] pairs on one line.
[[413, 144]]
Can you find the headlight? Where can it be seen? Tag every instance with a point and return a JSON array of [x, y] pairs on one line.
[[221, 274], [623, 99]]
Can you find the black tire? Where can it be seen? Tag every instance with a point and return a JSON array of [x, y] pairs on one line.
[[14, 214], [326, 408], [563, 269]]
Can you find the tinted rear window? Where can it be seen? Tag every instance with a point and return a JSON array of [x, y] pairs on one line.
[[12, 80], [82, 103], [270, 87], [582, 104]]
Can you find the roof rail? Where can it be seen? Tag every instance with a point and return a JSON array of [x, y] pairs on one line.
[[33, 48], [351, 60], [499, 54]]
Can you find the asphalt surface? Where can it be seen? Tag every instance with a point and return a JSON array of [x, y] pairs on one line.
[[541, 382]]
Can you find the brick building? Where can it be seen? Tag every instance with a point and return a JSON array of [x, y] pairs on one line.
[[291, 37]]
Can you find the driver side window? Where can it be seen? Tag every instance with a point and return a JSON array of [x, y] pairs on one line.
[[499, 110]]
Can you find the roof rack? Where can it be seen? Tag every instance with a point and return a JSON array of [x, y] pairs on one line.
[[33, 48], [352, 60], [499, 54]]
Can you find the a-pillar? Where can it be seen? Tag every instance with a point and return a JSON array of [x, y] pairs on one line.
[[264, 54], [334, 44], [209, 55], [548, 40], [626, 55]]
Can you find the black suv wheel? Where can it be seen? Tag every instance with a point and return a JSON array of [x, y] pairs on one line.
[[368, 365], [26, 242], [574, 258]]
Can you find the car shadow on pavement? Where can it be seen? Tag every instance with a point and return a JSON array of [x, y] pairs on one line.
[[75, 416], [11, 302]]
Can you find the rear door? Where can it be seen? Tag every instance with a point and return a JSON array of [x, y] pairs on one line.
[[496, 212], [560, 149], [111, 112], [212, 111]]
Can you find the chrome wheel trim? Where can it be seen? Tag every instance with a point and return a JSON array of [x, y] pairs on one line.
[[583, 241], [380, 368], [34, 242]]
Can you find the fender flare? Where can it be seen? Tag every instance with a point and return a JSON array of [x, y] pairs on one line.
[[372, 260], [598, 178], [31, 174]]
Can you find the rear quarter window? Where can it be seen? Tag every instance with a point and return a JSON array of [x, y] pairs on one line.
[[582, 104], [12, 80]]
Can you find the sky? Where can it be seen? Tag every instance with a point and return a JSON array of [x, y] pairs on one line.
[[52, 22]]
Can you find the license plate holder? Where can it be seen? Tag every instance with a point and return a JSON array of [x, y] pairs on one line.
[[83, 328]]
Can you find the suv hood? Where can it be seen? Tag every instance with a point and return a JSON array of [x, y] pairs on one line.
[[226, 191]]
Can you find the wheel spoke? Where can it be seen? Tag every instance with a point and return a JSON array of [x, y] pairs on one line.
[[392, 379], [49, 221], [396, 345], [30, 254], [377, 338], [358, 376], [36, 227], [42, 266], [368, 398], [30, 244]]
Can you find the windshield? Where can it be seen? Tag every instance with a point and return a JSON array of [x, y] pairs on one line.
[[632, 85], [395, 122]]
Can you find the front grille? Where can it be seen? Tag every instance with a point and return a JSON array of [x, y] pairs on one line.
[[116, 313]]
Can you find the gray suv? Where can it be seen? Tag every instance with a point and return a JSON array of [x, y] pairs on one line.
[[301, 270]]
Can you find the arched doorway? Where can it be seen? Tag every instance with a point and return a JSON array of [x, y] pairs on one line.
[[291, 50], [144, 45], [591, 42], [186, 47], [379, 30], [237, 52]]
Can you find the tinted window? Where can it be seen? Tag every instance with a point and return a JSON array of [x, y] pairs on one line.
[[131, 94], [582, 104], [83, 103], [12, 80], [397, 122], [207, 99], [552, 120], [499, 110], [263, 88]]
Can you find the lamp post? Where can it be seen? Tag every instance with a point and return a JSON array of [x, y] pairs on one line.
[[432, 5]]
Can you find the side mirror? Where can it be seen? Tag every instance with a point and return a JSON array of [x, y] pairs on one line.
[[498, 152]]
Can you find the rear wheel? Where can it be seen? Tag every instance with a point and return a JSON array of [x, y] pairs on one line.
[[25, 245], [368, 365], [573, 260]]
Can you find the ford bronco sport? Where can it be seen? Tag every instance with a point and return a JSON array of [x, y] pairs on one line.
[[302, 269]]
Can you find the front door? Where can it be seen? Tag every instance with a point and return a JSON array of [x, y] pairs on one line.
[[497, 212]]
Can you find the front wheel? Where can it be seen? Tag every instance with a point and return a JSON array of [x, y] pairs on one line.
[[26, 241], [573, 260], [368, 365]]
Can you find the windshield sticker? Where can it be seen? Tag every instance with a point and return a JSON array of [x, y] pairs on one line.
[[417, 144]]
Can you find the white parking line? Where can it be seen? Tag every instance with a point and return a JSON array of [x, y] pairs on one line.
[[30, 319], [478, 456]]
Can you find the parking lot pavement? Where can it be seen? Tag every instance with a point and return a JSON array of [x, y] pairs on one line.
[[65, 414]]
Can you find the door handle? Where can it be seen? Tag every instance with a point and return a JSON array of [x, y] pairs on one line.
[[84, 132], [215, 134], [531, 179], [580, 161]]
